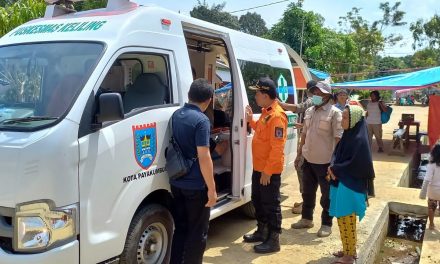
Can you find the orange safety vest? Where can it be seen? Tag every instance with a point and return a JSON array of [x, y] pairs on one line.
[[269, 140]]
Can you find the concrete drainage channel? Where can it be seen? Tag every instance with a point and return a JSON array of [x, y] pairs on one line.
[[406, 228], [414, 174], [397, 236]]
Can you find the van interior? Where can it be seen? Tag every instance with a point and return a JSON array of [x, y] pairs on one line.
[[209, 60], [129, 76]]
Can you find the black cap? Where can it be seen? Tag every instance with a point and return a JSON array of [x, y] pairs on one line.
[[311, 84], [266, 85]]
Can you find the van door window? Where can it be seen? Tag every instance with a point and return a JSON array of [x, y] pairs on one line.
[[210, 60], [141, 79], [39, 82], [252, 71]]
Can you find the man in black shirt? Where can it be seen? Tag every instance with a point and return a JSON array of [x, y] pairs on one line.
[[195, 192]]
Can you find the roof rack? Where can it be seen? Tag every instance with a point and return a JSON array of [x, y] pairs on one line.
[[63, 7], [117, 4], [59, 7]]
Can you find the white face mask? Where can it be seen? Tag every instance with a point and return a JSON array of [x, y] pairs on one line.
[[317, 100]]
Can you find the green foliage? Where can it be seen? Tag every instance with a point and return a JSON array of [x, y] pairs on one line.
[[354, 49], [387, 65], [88, 5], [289, 29], [21, 11], [252, 23], [370, 38], [428, 57], [215, 14], [392, 16], [428, 31], [334, 47]]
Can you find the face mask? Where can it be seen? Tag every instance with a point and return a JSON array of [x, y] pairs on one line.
[[317, 100]]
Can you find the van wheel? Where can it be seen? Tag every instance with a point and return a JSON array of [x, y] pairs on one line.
[[149, 237], [249, 210]]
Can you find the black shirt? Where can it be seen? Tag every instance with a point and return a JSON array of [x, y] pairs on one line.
[[191, 129]]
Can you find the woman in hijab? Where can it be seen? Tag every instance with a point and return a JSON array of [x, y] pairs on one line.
[[350, 172]]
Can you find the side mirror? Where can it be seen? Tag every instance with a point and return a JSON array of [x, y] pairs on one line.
[[110, 107]]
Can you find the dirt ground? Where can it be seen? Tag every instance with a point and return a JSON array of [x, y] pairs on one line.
[[225, 244]]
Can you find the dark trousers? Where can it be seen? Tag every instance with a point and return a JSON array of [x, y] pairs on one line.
[[191, 220], [314, 175], [266, 200]]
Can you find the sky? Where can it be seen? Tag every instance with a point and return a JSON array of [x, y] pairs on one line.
[[331, 10]]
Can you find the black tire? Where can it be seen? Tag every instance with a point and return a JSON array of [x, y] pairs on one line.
[[248, 210], [151, 228]]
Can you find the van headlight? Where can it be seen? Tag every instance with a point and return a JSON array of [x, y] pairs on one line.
[[39, 226]]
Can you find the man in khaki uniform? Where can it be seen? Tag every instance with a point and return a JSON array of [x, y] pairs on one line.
[[322, 131], [300, 109]]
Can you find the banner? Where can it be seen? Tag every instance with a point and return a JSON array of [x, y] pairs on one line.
[[434, 119]]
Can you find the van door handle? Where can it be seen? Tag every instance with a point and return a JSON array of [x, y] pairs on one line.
[[237, 142]]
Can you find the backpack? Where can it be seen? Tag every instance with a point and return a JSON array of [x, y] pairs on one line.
[[177, 165]]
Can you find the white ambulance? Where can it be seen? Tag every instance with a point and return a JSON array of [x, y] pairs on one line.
[[85, 100]]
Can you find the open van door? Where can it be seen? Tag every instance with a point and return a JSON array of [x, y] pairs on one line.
[[207, 48], [257, 57]]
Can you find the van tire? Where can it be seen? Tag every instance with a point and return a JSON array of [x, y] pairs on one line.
[[249, 210], [152, 225]]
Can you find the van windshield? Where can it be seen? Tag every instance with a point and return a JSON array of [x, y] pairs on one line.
[[39, 81]]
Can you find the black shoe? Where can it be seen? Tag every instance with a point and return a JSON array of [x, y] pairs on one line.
[[380, 150], [259, 235], [272, 244]]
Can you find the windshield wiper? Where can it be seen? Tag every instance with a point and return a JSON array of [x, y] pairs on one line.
[[26, 119]]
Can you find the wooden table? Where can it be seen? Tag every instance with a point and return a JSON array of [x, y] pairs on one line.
[[407, 124]]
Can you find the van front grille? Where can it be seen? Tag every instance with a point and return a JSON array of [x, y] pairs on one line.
[[6, 228], [6, 244]]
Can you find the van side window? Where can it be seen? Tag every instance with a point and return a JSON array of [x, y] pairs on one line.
[[141, 79], [252, 71]]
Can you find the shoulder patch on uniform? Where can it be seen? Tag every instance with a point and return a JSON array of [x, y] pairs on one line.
[[279, 132]]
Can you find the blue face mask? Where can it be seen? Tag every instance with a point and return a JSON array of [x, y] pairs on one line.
[[317, 100]]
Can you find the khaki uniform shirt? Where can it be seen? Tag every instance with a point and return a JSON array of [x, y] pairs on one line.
[[321, 127]]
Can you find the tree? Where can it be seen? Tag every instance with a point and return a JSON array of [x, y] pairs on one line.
[[386, 66], [323, 48], [21, 11], [252, 23], [428, 31], [370, 38], [289, 29], [334, 54], [428, 57], [392, 16], [215, 14]]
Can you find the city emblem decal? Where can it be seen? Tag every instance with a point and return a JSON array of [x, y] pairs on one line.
[[145, 144]]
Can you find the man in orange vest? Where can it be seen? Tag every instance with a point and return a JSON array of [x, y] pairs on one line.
[[268, 160]]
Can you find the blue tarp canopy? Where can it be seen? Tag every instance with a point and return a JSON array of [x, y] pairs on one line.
[[224, 89], [320, 74], [413, 80]]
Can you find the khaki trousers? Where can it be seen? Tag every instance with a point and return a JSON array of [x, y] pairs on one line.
[[375, 130]]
